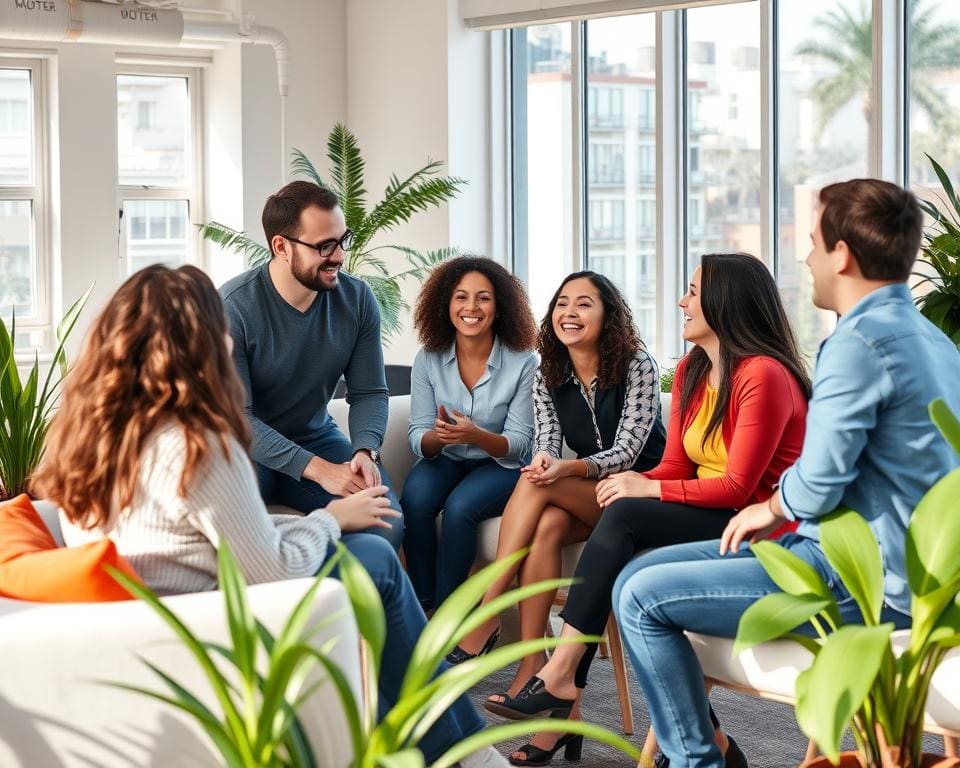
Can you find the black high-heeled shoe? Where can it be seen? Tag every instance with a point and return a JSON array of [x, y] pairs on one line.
[[572, 744], [533, 700], [458, 655], [732, 758]]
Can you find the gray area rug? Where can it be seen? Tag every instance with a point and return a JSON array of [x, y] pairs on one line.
[[765, 730]]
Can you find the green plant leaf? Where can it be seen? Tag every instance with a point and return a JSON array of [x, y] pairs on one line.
[[946, 422], [774, 616], [499, 733], [933, 538], [456, 681], [347, 169], [408, 758], [789, 572], [221, 739], [235, 725], [237, 241], [367, 606], [805, 641], [853, 553], [437, 638], [833, 689], [240, 621], [301, 165]]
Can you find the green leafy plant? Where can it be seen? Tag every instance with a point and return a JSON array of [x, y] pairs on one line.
[[25, 405], [940, 300], [421, 190], [666, 379], [257, 726], [882, 696]]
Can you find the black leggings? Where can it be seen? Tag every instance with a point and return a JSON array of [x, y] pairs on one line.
[[627, 527]]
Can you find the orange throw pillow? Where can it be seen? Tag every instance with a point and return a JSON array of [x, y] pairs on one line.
[[34, 568]]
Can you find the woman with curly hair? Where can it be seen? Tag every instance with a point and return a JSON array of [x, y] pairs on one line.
[[471, 416], [597, 389], [737, 421], [150, 447]]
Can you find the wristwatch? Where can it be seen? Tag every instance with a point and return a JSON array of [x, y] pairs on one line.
[[373, 452]]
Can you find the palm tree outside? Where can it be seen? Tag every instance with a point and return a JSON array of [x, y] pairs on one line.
[[844, 40]]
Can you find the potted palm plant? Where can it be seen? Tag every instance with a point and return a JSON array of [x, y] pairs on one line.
[[257, 726], [882, 697], [939, 295], [421, 190], [26, 405]]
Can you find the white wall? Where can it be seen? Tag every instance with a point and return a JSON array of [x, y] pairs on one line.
[[417, 90]]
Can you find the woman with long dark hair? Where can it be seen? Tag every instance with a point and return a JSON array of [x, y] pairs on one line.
[[150, 447], [598, 390], [471, 416], [737, 422]]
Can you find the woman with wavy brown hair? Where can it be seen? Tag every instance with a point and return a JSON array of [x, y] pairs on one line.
[[471, 416], [150, 449], [598, 390]]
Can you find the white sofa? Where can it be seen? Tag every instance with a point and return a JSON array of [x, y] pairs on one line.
[[55, 712]]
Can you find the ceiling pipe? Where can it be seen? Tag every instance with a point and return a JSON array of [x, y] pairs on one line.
[[84, 21]]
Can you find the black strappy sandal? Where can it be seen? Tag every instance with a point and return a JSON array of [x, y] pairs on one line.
[[533, 700], [458, 655], [572, 744]]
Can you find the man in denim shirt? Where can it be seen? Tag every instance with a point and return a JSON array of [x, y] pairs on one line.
[[869, 445]]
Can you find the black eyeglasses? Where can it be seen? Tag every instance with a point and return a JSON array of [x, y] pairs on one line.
[[326, 248]]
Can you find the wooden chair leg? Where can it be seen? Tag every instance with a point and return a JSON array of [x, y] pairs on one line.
[[951, 746], [649, 750], [620, 673], [602, 650], [812, 751]]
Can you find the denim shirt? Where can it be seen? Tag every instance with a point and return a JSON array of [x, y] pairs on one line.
[[500, 402], [870, 444]]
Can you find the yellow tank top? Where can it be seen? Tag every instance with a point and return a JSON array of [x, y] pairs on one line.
[[711, 456]]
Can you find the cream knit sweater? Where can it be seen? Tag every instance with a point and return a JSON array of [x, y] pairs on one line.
[[172, 542]]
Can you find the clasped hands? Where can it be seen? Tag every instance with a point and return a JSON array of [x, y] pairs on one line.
[[463, 432], [345, 479]]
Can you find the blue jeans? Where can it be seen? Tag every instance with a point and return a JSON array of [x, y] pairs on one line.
[[305, 495], [405, 622], [468, 492], [690, 587]]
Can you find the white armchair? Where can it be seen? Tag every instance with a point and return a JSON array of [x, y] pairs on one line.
[[55, 712]]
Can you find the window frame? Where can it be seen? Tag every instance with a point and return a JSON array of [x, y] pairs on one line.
[[889, 136], [38, 193], [193, 191]]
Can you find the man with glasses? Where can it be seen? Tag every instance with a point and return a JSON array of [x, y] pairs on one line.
[[299, 324]]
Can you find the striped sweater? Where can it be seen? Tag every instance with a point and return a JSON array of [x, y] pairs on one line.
[[172, 542]]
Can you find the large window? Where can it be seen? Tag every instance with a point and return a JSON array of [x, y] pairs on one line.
[[933, 37], [723, 130], [752, 126], [157, 162], [542, 157], [621, 211], [823, 134], [23, 266]]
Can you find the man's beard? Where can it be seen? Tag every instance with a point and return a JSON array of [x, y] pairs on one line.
[[311, 279]]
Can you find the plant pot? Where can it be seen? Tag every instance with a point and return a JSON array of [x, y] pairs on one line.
[[852, 760]]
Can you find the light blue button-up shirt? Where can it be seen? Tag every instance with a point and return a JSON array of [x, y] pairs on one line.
[[500, 402], [869, 443]]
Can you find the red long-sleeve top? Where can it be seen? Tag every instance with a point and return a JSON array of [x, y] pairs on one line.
[[762, 430]]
